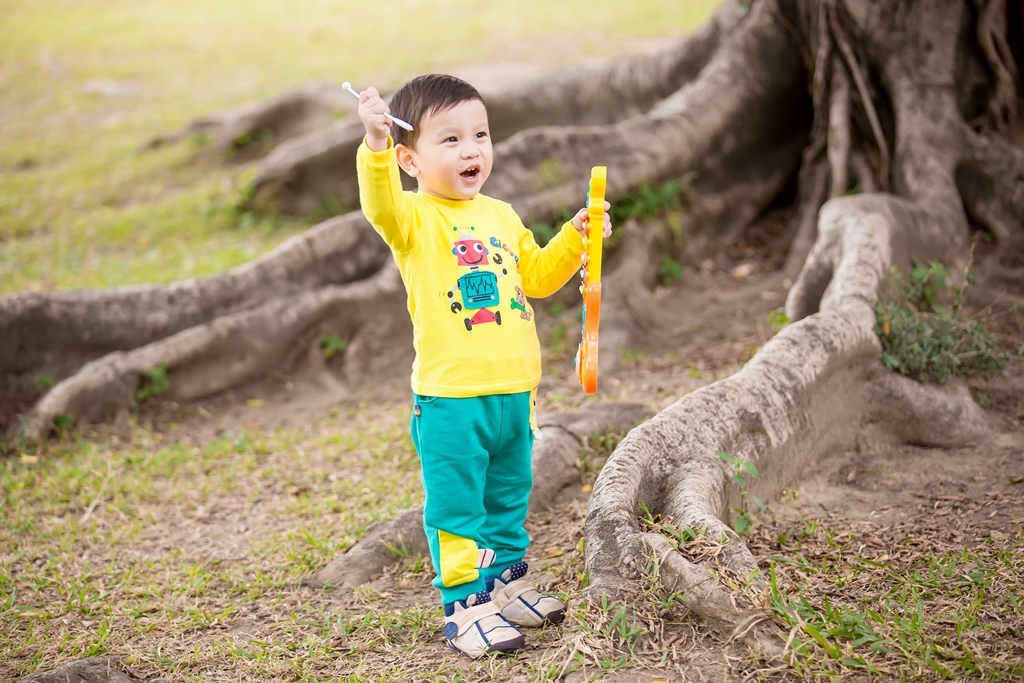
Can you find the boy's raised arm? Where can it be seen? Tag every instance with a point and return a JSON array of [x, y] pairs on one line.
[[380, 187]]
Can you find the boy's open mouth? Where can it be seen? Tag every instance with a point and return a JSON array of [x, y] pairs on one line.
[[471, 173]]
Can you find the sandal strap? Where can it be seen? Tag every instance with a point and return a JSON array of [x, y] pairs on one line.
[[512, 591], [466, 618]]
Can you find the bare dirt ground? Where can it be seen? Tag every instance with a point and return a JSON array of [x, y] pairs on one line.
[[886, 500]]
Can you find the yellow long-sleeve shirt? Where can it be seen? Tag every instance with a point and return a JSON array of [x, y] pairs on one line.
[[468, 266]]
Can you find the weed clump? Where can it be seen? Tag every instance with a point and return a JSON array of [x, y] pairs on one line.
[[925, 332]]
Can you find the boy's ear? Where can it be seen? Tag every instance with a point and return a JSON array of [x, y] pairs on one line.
[[407, 160]]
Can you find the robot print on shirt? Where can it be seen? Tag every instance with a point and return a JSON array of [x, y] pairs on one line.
[[477, 289]]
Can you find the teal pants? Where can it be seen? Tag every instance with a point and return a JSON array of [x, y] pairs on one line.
[[475, 455]]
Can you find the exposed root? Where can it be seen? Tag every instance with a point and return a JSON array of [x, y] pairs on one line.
[[814, 188], [990, 178], [310, 173], [704, 593], [839, 132], [109, 669], [863, 174], [291, 114], [859, 80], [745, 102], [941, 416], [606, 93], [819, 79], [991, 32], [214, 356], [383, 545], [57, 333], [815, 387]]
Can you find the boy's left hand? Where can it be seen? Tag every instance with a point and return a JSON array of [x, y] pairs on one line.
[[581, 221]]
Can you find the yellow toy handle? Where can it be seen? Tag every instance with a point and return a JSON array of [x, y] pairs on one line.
[[586, 356]]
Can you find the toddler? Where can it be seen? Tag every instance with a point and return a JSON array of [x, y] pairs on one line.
[[468, 264]]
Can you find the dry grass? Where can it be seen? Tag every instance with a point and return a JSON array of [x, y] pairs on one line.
[[917, 600], [187, 555]]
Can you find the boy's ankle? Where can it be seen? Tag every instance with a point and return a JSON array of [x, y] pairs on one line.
[[522, 604]]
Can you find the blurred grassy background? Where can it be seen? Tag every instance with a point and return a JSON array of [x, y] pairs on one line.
[[84, 83]]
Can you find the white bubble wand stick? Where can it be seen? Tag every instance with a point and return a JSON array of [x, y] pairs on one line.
[[348, 86]]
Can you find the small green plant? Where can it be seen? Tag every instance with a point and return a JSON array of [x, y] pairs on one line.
[[332, 345], [741, 470], [778, 319], [649, 201], [550, 172], [555, 308], [63, 422], [632, 356], [559, 338], [929, 340], [154, 382], [44, 382], [620, 627], [670, 271]]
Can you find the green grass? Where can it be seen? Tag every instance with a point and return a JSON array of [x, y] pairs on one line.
[[115, 542], [84, 84], [913, 608]]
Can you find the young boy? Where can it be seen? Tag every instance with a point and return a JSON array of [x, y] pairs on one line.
[[468, 264]]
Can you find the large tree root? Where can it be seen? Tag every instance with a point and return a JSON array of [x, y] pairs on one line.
[[291, 114], [991, 181], [232, 349], [815, 388], [818, 386], [56, 333], [745, 105], [554, 467]]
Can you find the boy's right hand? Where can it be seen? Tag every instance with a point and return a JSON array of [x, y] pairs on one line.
[[371, 112]]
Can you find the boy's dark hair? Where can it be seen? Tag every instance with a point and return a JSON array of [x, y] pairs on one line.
[[426, 95]]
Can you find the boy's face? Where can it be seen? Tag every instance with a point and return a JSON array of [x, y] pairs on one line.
[[452, 156]]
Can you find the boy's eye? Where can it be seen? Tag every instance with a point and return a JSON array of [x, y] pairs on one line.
[[482, 134], [451, 138]]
